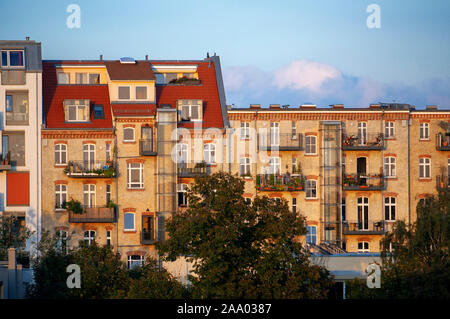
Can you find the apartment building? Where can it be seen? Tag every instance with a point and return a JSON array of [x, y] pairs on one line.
[[20, 130], [111, 143], [352, 172]]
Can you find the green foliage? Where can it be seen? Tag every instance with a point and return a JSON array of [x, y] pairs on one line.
[[12, 235], [74, 206], [418, 265], [241, 249], [111, 204]]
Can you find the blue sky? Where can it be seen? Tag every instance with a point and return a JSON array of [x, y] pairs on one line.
[[282, 52]]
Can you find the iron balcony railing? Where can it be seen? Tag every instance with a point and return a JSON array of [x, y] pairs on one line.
[[5, 162], [442, 182], [147, 147], [148, 237], [281, 142], [278, 182], [442, 142], [369, 141], [366, 227], [90, 169], [193, 169], [93, 214], [369, 182]]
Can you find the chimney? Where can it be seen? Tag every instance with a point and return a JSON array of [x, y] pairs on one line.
[[101, 57], [274, 106], [432, 108], [146, 57], [307, 106], [375, 106], [337, 106], [27, 38], [255, 106]]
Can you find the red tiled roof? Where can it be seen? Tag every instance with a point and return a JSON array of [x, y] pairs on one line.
[[140, 70], [207, 91], [54, 96], [133, 109]]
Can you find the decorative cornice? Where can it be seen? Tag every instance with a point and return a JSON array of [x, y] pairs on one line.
[[77, 135]]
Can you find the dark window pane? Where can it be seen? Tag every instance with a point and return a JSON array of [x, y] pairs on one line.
[[16, 58], [98, 112], [4, 58]]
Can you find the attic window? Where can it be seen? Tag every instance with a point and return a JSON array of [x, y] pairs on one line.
[[190, 110], [127, 60], [76, 110], [98, 111]]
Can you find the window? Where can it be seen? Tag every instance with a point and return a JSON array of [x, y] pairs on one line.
[[190, 110], [124, 92], [310, 144], [362, 133], [274, 134], [108, 238], [135, 175], [169, 77], [363, 246], [14, 143], [294, 205], [108, 193], [128, 222], [182, 153], [98, 111], [108, 151], [62, 239], [94, 78], [389, 166], [89, 236], [389, 131], [245, 130], [389, 208], [363, 213], [209, 153], [88, 156], [141, 92], [181, 192], [424, 168], [13, 58], [60, 154], [277, 199], [311, 235], [63, 78], [128, 134], [135, 261], [294, 165], [60, 195], [424, 131], [245, 166], [274, 165], [159, 78], [81, 78], [311, 189], [16, 108], [76, 110], [294, 130], [89, 195], [343, 209]]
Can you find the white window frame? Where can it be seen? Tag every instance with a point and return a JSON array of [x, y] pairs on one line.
[[294, 204], [108, 194], [108, 238], [274, 134], [60, 194], [310, 142], [310, 236], [390, 204], [182, 188], [362, 206], [424, 128], [364, 249], [390, 164], [8, 59], [424, 167], [293, 130], [244, 166], [182, 154], [108, 151], [59, 150], [89, 238], [209, 153], [134, 221], [134, 134], [89, 156], [130, 184], [362, 133], [90, 191], [310, 188], [131, 263], [245, 130], [389, 130], [190, 104], [77, 112], [275, 165]]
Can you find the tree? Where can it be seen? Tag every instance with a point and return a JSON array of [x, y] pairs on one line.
[[415, 259], [13, 235], [242, 249]]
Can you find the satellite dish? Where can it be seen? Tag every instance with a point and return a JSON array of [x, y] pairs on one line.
[[127, 60]]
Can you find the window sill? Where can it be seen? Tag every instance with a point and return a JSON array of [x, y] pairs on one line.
[[60, 210], [424, 140], [135, 189], [60, 165], [311, 199], [306, 154], [129, 231], [424, 179], [129, 142]]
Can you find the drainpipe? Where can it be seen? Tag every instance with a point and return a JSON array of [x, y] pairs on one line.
[[38, 164], [409, 169], [116, 150]]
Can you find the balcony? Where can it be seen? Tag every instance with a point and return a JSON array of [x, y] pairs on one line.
[[193, 169], [185, 81], [93, 214], [278, 182], [148, 237], [90, 169], [281, 142], [19, 117], [442, 142], [147, 147], [5, 162], [363, 142], [363, 227], [442, 182], [371, 182]]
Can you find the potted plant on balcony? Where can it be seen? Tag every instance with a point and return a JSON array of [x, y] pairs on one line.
[[74, 206], [111, 204]]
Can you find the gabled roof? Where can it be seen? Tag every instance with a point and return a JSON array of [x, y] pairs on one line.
[[54, 96], [139, 71]]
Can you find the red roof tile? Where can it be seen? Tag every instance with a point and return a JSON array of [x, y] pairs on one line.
[[133, 109], [140, 70]]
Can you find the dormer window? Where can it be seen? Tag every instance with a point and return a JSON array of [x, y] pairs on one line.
[[13, 58], [190, 110], [124, 92], [141, 92], [76, 110]]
